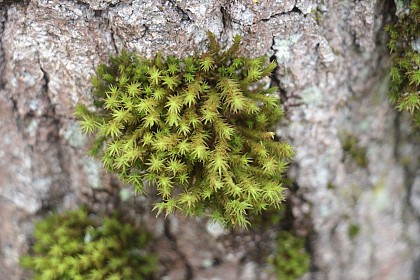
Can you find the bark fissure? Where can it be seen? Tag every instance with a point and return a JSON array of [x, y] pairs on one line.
[[3, 20], [226, 19], [179, 10], [114, 44], [188, 268], [288, 99], [60, 185], [273, 16]]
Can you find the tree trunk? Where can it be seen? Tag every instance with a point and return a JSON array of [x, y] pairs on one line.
[[357, 186]]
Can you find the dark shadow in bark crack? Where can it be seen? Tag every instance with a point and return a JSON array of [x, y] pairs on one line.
[[188, 269]]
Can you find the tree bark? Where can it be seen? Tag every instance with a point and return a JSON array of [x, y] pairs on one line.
[[356, 163]]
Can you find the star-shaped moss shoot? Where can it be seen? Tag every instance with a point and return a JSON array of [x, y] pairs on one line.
[[199, 129]]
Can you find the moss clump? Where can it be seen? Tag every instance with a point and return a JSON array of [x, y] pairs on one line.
[[352, 147], [331, 186], [291, 260], [405, 69], [353, 231], [73, 246], [199, 129]]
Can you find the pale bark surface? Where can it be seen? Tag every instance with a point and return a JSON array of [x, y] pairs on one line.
[[332, 70]]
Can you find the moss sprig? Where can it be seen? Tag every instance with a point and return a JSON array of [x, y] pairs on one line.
[[199, 129], [291, 260], [73, 246], [405, 69]]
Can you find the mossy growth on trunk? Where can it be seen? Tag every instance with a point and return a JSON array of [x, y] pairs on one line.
[[199, 129], [404, 45], [291, 260], [74, 246]]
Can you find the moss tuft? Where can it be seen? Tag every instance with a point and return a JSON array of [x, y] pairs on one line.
[[291, 260], [353, 231], [73, 246], [198, 129], [404, 45], [352, 147]]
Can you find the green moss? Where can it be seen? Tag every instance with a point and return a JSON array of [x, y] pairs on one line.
[[353, 231], [352, 147], [73, 246], [291, 260], [331, 186], [317, 15], [406, 161], [405, 68], [198, 129]]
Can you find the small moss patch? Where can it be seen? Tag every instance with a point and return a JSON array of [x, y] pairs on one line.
[[404, 44], [352, 148], [291, 260], [353, 231], [74, 246]]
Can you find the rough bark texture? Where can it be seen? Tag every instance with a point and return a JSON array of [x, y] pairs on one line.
[[364, 205]]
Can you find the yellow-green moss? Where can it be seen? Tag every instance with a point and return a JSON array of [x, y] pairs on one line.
[[291, 260], [74, 246], [199, 129], [352, 147], [353, 231], [404, 45]]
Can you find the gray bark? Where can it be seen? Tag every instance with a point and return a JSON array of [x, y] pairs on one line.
[[332, 71]]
